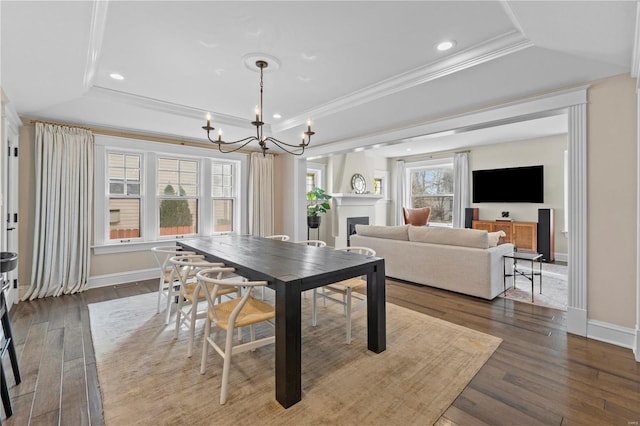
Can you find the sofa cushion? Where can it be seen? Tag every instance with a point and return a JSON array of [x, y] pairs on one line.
[[388, 232], [451, 236]]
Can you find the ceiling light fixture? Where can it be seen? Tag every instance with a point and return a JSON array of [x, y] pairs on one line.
[[445, 45], [258, 123], [116, 76]]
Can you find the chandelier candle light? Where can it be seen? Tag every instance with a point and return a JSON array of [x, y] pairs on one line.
[[262, 141]]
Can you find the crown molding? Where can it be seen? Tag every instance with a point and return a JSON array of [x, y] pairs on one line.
[[169, 107], [96, 35], [494, 48]]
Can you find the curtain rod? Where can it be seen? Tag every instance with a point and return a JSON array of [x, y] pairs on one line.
[[131, 135]]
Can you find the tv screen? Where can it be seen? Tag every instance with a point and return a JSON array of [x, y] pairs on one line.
[[509, 185]]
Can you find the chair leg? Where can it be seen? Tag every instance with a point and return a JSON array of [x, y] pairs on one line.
[[4, 393], [228, 348], [178, 316], [192, 328], [348, 311], [13, 356], [205, 346], [160, 290], [170, 296]]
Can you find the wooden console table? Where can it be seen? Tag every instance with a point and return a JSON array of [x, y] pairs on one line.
[[523, 235]]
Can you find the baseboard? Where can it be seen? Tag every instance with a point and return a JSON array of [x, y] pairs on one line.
[[577, 321], [561, 257], [611, 333], [636, 348], [121, 278]]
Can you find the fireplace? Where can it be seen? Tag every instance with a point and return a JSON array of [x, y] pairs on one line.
[[351, 226]]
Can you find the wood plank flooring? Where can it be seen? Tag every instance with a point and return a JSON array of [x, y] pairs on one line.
[[539, 374]]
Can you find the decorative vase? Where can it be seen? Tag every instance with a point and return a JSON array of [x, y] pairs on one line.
[[313, 221]]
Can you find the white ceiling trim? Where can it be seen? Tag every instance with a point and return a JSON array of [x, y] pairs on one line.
[[536, 107], [96, 35], [635, 59], [489, 50], [512, 16], [168, 107]]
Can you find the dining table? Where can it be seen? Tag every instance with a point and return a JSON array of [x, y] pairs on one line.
[[290, 269]]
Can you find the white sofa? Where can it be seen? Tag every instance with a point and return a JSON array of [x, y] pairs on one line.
[[460, 260]]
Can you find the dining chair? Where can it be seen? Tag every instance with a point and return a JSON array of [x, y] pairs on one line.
[[189, 295], [417, 217], [278, 237], [345, 291], [313, 243], [169, 283], [239, 312]]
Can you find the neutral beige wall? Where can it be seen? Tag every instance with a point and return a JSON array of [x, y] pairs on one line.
[[547, 151], [612, 166]]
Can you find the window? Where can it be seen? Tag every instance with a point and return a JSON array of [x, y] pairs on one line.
[[315, 176], [431, 185], [178, 195], [124, 195], [223, 196], [311, 181], [381, 183], [146, 192]]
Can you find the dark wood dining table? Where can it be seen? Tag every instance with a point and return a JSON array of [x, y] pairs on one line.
[[290, 269]]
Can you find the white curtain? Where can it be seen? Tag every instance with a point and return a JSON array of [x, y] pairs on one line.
[[261, 194], [460, 187], [62, 225], [400, 191]]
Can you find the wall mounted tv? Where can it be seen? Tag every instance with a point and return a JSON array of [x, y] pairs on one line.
[[509, 185]]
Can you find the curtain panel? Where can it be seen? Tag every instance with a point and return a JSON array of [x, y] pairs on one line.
[[400, 191], [63, 199], [260, 194], [460, 188]]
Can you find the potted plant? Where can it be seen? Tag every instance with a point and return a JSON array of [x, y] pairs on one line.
[[317, 203]]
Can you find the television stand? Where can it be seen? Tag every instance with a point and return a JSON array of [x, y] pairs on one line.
[[523, 235]]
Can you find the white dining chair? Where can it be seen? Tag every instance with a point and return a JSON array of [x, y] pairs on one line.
[[245, 311], [278, 237], [342, 292], [189, 296], [169, 284], [313, 243]]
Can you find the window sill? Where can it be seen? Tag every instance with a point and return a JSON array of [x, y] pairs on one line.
[[142, 245]]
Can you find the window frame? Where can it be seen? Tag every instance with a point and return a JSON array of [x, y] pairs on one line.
[[150, 202], [413, 166]]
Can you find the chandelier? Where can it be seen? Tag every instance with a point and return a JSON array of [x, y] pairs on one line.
[[258, 123]]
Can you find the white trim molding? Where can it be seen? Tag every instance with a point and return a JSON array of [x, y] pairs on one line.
[[635, 58], [577, 270], [121, 278], [611, 333], [96, 35]]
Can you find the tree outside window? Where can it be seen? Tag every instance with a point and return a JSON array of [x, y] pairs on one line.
[[432, 186]]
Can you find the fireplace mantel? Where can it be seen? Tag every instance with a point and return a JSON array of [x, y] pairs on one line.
[[356, 199]]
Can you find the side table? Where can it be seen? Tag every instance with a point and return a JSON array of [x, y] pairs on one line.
[[531, 257]]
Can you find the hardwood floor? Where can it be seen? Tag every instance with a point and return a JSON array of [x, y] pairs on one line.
[[539, 374]]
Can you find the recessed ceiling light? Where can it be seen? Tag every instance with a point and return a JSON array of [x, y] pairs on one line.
[[408, 149], [277, 116], [116, 76], [359, 149], [445, 45]]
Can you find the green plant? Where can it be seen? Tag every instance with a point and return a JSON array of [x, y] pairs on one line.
[[317, 199], [174, 212]]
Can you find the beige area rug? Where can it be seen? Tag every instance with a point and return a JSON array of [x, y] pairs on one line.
[[146, 378]]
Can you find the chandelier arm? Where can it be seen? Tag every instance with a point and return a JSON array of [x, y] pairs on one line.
[[283, 146], [220, 144], [280, 143]]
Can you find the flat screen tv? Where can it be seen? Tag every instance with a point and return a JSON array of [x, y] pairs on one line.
[[509, 185]]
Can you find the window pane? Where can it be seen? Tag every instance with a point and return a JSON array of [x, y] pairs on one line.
[[167, 164], [189, 190], [181, 175], [188, 166], [178, 217], [133, 188], [116, 173], [377, 186], [116, 160], [433, 187], [133, 174], [116, 188], [222, 180], [222, 215], [124, 218], [133, 161]]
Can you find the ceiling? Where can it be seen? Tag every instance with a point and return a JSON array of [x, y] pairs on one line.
[[356, 68]]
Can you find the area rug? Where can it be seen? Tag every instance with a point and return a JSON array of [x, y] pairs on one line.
[[554, 287], [146, 378]]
